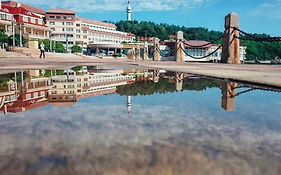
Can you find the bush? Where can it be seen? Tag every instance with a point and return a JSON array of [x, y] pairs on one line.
[[76, 49]]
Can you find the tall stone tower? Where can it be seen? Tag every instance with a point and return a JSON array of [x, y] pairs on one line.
[[129, 11]]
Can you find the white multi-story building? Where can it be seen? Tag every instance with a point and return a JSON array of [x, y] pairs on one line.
[[67, 28]]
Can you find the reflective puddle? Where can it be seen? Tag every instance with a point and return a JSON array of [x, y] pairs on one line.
[[86, 121]]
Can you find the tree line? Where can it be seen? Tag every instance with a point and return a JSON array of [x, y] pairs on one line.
[[255, 50]]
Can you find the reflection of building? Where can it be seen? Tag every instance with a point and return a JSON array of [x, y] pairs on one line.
[[72, 86], [33, 94], [228, 95]]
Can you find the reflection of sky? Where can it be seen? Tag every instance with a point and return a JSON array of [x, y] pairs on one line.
[[191, 118]]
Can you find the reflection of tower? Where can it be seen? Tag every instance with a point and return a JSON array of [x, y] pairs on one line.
[[129, 11], [129, 105], [179, 80], [228, 90]]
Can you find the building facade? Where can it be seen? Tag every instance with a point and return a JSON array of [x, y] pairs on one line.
[[63, 26], [71, 30], [28, 21]]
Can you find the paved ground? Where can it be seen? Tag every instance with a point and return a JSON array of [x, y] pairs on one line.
[[261, 74]]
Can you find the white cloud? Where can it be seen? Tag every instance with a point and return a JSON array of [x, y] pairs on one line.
[[116, 5]]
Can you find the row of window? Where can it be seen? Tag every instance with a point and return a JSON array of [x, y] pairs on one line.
[[32, 20], [52, 23], [4, 16], [62, 17], [99, 27]]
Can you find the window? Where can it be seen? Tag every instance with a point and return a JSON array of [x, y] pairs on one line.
[[69, 29], [78, 36], [40, 21], [77, 25], [52, 23], [32, 20], [52, 17], [69, 23], [78, 30], [25, 19], [53, 29]]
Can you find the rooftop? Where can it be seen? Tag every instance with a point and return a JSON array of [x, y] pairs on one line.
[[94, 22], [61, 11], [27, 7]]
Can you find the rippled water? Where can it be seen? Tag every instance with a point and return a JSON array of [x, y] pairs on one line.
[[152, 125]]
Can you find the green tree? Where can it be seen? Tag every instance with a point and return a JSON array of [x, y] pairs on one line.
[[4, 38], [17, 40], [59, 47], [76, 49]]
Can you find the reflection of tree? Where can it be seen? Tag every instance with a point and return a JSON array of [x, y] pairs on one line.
[[165, 86]]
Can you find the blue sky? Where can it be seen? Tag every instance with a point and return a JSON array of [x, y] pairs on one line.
[[260, 16]]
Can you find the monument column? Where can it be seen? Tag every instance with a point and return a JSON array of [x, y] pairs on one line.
[[180, 47], [157, 56], [231, 44]]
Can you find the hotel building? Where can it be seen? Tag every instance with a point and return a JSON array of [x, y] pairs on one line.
[[71, 30], [62, 25], [29, 21]]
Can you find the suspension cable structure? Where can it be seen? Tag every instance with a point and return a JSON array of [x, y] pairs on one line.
[[252, 37], [206, 56]]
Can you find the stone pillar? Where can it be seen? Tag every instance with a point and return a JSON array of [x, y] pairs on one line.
[[179, 81], [180, 46], [145, 55], [231, 44], [228, 90], [157, 56], [33, 44], [137, 53], [34, 73], [156, 76]]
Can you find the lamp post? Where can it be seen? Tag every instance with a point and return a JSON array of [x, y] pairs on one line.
[[66, 43], [20, 28], [13, 33]]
